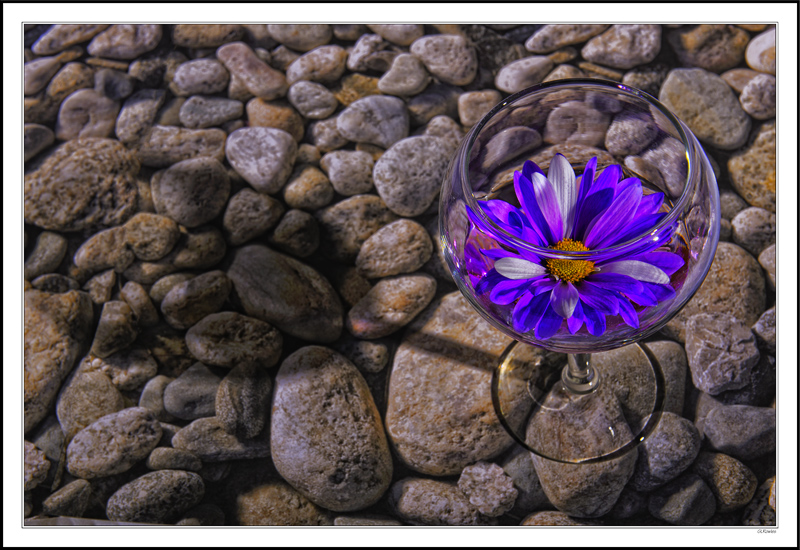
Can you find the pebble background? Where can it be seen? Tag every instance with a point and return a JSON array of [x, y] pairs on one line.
[[237, 312]]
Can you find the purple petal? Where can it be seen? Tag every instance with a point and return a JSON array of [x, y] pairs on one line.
[[498, 211], [644, 297], [641, 271], [593, 205], [668, 262], [650, 204], [495, 253], [607, 179], [661, 292], [506, 292], [575, 322], [549, 324], [607, 225], [519, 268], [636, 226], [615, 281], [587, 179], [542, 285], [563, 299], [595, 321], [562, 177], [599, 298], [627, 313], [529, 168], [527, 198], [528, 311], [488, 282]]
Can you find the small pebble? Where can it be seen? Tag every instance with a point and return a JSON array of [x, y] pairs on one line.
[[71, 500], [753, 168], [167, 145], [402, 35], [37, 138], [308, 189], [368, 356], [116, 329], [277, 503], [738, 78], [348, 32], [754, 229], [301, 38], [312, 100], [560, 519], [255, 76], [472, 106], [243, 399], [60, 37], [275, 114], [125, 41], [523, 73], [721, 350], [128, 370], [324, 64], [489, 489], [207, 438], [549, 38], [348, 223], [191, 395], [85, 397], [684, 501], [105, 249], [138, 114], [767, 260], [380, 120], [758, 97], [113, 84], [187, 303], [370, 53], [715, 48], [249, 214], [152, 398], [624, 46], [325, 136], [157, 497], [200, 77], [262, 156], [563, 71], [206, 111], [760, 53], [167, 458], [764, 330], [576, 122], [126, 437], [46, 255], [86, 114], [741, 431], [39, 72], [349, 172], [630, 134], [228, 339], [408, 176], [732, 483], [647, 78], [36, 466], [205, 36], [406, 77], [730, 204], [437, 99], [297, 233], [55, 283], [191, 192], [761, 510], [666, 453], [421, 501], [402, 246]]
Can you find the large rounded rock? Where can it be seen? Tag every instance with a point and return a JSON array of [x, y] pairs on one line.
[[157, 497], [227, 339], [322, 400], [432, 502], [191, 192], [84, 184], [286, 293]]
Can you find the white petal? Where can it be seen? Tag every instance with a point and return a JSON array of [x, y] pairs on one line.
[[562, 176], [517, 268], [564, 299], [641, 271]]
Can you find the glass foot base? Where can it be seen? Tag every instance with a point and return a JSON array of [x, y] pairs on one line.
[[558, 417]]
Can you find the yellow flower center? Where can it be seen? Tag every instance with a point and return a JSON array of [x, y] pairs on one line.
[[571, 271]]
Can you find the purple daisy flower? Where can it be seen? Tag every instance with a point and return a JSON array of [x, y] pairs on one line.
[[558, 212]]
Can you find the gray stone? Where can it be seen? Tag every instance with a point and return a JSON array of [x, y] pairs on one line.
[[674, 365], [730, 204], [349, 172], [370, 52], [206, 111], [761, 510], [758, 98], [721, 350], [402, 35], [406, 77], [257, 77], [286, 293], [523, 73], [191, 192], [187, 303], [624, 46], [228, 339], [152, 398], [128, 370], [46, 255], [309, 188], [94, 180], [347, 224], [715, 48], [390, 305], [518, 465], [553, 519], [312, 100], [764, 330], [732, 483], [734, 286], [630, 133], [324, 64], [368, 356], [138, 114], [84, 398], [489, 489], [409, 175], [126, 437], [549, 38], [436, 100], [200, 76], [754, 229], [708, 106], [71, 500], [192, 394], [39, 72], [157, 497], [325, 136], [55, 283], [262, 156], [760, 52], [402, 246], [576, 122], [166, 145], [296, 234], [322, 399], [36, 466], [666, 453], [105, 249], [422, 501], [741, 431], [380, 120], [301, 38], [472, 106], [685, 501], [647, 78], [151, 236], [205, 36], [753, 169], [60, 37], [116, 329], [167, 458], [249, 214], [243, 400], [668, 157], [277, 503], [37, 138], [125, 41], [86, 114]]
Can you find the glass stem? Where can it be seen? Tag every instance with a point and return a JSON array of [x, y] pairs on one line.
[[578, 375]]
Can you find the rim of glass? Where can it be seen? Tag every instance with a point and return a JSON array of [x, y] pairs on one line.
[[669, 220]]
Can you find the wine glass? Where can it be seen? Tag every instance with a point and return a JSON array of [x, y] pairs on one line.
[[579, 216]]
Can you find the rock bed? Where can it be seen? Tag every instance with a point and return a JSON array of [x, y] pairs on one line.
[[231, 244]]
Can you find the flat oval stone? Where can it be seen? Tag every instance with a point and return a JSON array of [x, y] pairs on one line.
[[200, 76], [250, 214], [205, 36], [85, 398], [380, 120], [449, 57], [552, 37], [151, 236], [309, 189], [325, 64], [286, 293], [350, 172], [422, 501], [157, 497], [472, 106], [321, 399], [126, 437], [348, 223], [760, 53], [228, 339], [116, 329], [523, 73], [753, 168], [167, 458], [666, 453], [759, 96], [138, 114], [37, 139], [94, 180], [402, 35], [408, 176], [60, 37], [125, 41], [206, 111], [262, 156], [46, 255], [39, 72], [390, 305], [243, 400], [71, 500], [624, 46], [103, 250], [402, 246], [733, 483], [312, 100], [686, 500], [208, 439], [192, 394], [191, 192], [715, 48], [165, 145], [708, 106], [187, 303], [86, 114], [741, 431], [301, 38], [406, 77]]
